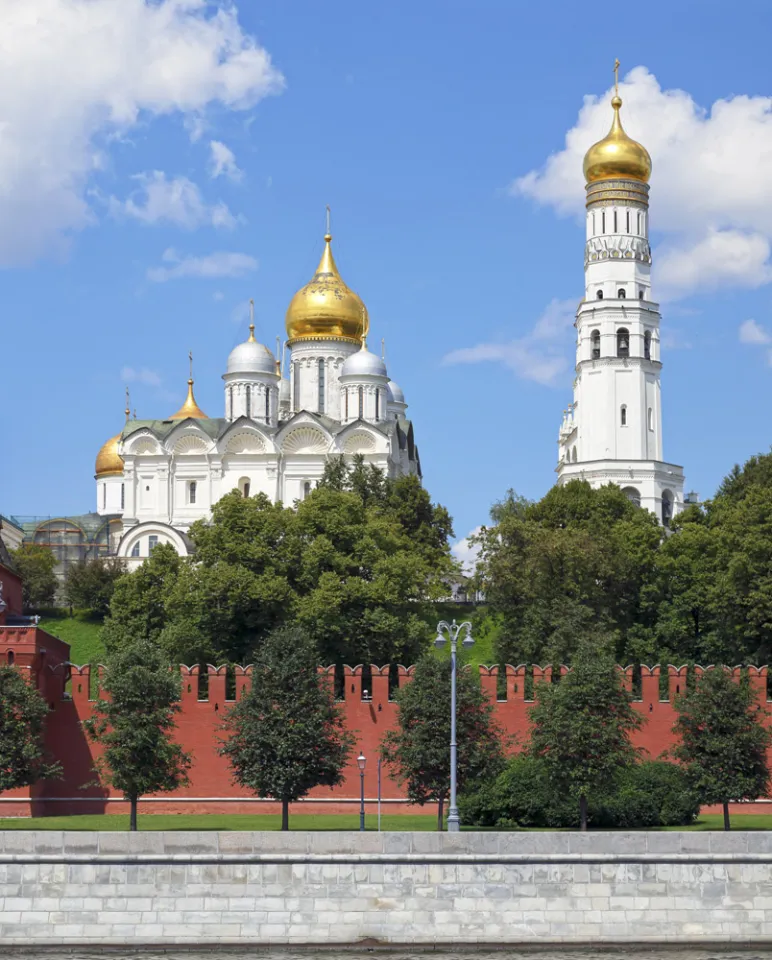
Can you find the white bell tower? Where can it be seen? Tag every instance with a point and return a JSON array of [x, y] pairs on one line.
[[612, 432]]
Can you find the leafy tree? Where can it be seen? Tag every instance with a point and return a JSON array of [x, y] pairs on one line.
[[92, 584], [418, 749], [35, 564], [582, 726], [23, 758], [722, 740], [135, 724], [286, 736]]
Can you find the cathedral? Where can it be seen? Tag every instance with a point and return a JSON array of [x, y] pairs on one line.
[[612, 432], [156, 477]]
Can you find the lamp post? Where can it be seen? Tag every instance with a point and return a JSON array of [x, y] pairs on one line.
[[361, 761], [445, 632]]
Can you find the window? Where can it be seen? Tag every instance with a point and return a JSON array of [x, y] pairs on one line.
[[377, 404], [249, 401], [632, 495], [615, 221], [296, 386], [599, 295], [192, 490], [361, 403], [244, 486], [595, 343], [10, 658], [639, 223], [306, 489], [647, 345], [628, 220], [574, 457], [603, 222], [152, 543], [345, 404], [621, 293], [650, 418], [123, 496], [667, 508], [321, 387], [267, 405], [135, 549], [623, 342], [640, 294], [623, 415]]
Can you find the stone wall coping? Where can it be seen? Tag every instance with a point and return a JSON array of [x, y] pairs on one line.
[[32, 846]]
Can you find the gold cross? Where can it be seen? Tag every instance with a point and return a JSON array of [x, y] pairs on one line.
[[616, 78]]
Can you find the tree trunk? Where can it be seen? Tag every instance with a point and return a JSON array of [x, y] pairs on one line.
[[440, 809], [285, 814], [133, 813], [582, 812], [727, 824]]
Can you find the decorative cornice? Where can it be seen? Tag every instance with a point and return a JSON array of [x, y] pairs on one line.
[[606, 192]]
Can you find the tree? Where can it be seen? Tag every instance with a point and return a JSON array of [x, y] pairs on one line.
[[722, 740], [582, 725], [35, 564], [135, 724], [23, 758], [91, 584], [418, 749], [286, 736]]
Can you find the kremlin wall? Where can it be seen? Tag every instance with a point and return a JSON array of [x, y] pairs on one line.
[[365, 696]]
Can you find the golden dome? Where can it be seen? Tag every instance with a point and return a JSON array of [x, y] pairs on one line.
[[190, 408], [616, 155], [109, 463], [325, 308]]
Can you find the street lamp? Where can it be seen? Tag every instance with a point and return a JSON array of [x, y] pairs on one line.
[[361, 761], [445, 632]]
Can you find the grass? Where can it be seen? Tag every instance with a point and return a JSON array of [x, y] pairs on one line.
[[83, 633]]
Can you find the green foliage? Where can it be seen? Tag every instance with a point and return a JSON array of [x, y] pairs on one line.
[[722, 741], [650, 794], [418, 749], [286, 736], [23, 758], [135, 723], [91, 585], [35, 565], [138, 607], [582, 726]]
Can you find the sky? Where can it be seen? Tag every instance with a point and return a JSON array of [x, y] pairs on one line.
[[162, 162]]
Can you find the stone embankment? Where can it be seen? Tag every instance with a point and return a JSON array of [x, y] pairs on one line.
[[393, 888]]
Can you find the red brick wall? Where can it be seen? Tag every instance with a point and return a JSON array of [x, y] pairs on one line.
[[11, 591], [211, 789]]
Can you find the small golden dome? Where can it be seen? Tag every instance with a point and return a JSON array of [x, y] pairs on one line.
[[190, 408], [325, 308], [109, 463], [616, 155]]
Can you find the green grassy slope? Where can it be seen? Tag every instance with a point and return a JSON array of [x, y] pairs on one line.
[[84, 635]]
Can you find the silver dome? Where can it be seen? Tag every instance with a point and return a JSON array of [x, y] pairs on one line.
[[251, 357], [363, 363], [395, 392]]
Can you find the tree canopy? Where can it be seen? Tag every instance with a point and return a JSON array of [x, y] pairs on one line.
[[35, 564], [23, 711], [91, 584]]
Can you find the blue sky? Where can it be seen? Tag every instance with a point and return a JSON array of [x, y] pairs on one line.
[[161, 163]]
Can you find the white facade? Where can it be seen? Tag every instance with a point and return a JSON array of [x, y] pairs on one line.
[[612, 432]]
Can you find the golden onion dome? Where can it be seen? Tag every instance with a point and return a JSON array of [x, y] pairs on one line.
[[617, 155], [109, 462], [325, 308], [190, 408]]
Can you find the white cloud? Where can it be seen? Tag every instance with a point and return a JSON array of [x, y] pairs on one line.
[[711, 181], [143, 375], [752, 332], [161, 200], [212, 266], [467, 553], [77, 75], [218, 295], [539, 356], [223, 162]]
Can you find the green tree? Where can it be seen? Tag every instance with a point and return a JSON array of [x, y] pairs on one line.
[[418, 748], [722, 740], [23, 757], [286, 736], [91, 584], [135, 724], [582, 725], [35, 564]]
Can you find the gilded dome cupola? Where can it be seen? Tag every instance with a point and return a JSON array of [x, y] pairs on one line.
[[109, 462], [617, 156], [325, 308]]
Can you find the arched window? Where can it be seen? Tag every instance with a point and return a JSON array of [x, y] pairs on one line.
[[361, 403], [640, 294], [249, 401], [244, 486], [667, 508], [621, 293], [623, 342], [377, 404], [306, 489], [632, 495], [623, 415], [647, 345], [296, 386], [135, 549], [10, 658], [599, 295], [192, 490], [123, 496], [595, 343], [650, 418], [267, 405], [320, 405]]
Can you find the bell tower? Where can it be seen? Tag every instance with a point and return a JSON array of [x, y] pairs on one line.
[[612, 432]]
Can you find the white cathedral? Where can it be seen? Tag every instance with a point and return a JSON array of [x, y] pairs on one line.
[[156, 477], [612, 432]]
